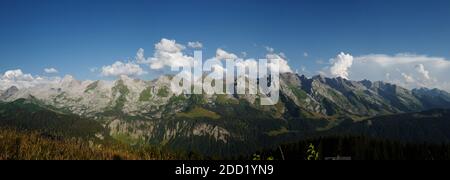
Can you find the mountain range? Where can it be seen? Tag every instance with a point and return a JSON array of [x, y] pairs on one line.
[[136, 112]]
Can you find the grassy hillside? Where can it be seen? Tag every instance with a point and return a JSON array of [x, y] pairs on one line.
[[25, 115], [29, 131], [22, 145]]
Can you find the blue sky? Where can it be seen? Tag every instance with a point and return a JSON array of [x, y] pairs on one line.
[[76, 35]]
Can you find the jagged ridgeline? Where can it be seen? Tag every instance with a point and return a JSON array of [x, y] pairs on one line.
[[138, 112]]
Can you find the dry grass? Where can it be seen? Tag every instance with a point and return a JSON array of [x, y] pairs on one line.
[[15, 145]]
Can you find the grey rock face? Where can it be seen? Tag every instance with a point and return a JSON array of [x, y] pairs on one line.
[[140, 109], [9, 93]]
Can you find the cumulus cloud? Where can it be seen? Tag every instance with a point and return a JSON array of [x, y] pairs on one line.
[[274, 60], [279, 60], [247, 64], [22, 80], [224, 55], [120, 68], [50, 70], [17, 75], [340, 65], [408, 70], [140, 58], [421, 70], [167, 53], [408, 78], [195, 45]]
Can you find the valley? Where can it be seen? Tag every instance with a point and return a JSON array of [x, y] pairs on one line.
[[140, 113]]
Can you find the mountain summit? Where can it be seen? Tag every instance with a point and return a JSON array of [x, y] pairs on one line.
[[135, 111]]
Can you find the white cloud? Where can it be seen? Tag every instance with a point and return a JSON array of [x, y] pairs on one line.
[[407, 70], [421, 70], [341, 65], [305, 54], [280, 60], [195, 45], [247, 64], [270, 49], [223, 55], [120, 68], [272, 59], [140, 56], [167, 54], [50, 70], [277, 59], [170, 46], [21, 80], [18, 75], [408, 79]]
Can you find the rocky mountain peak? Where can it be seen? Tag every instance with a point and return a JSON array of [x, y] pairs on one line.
[[12, 89], [9, 93], [69, 82], [319, 94], [320, 78]]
